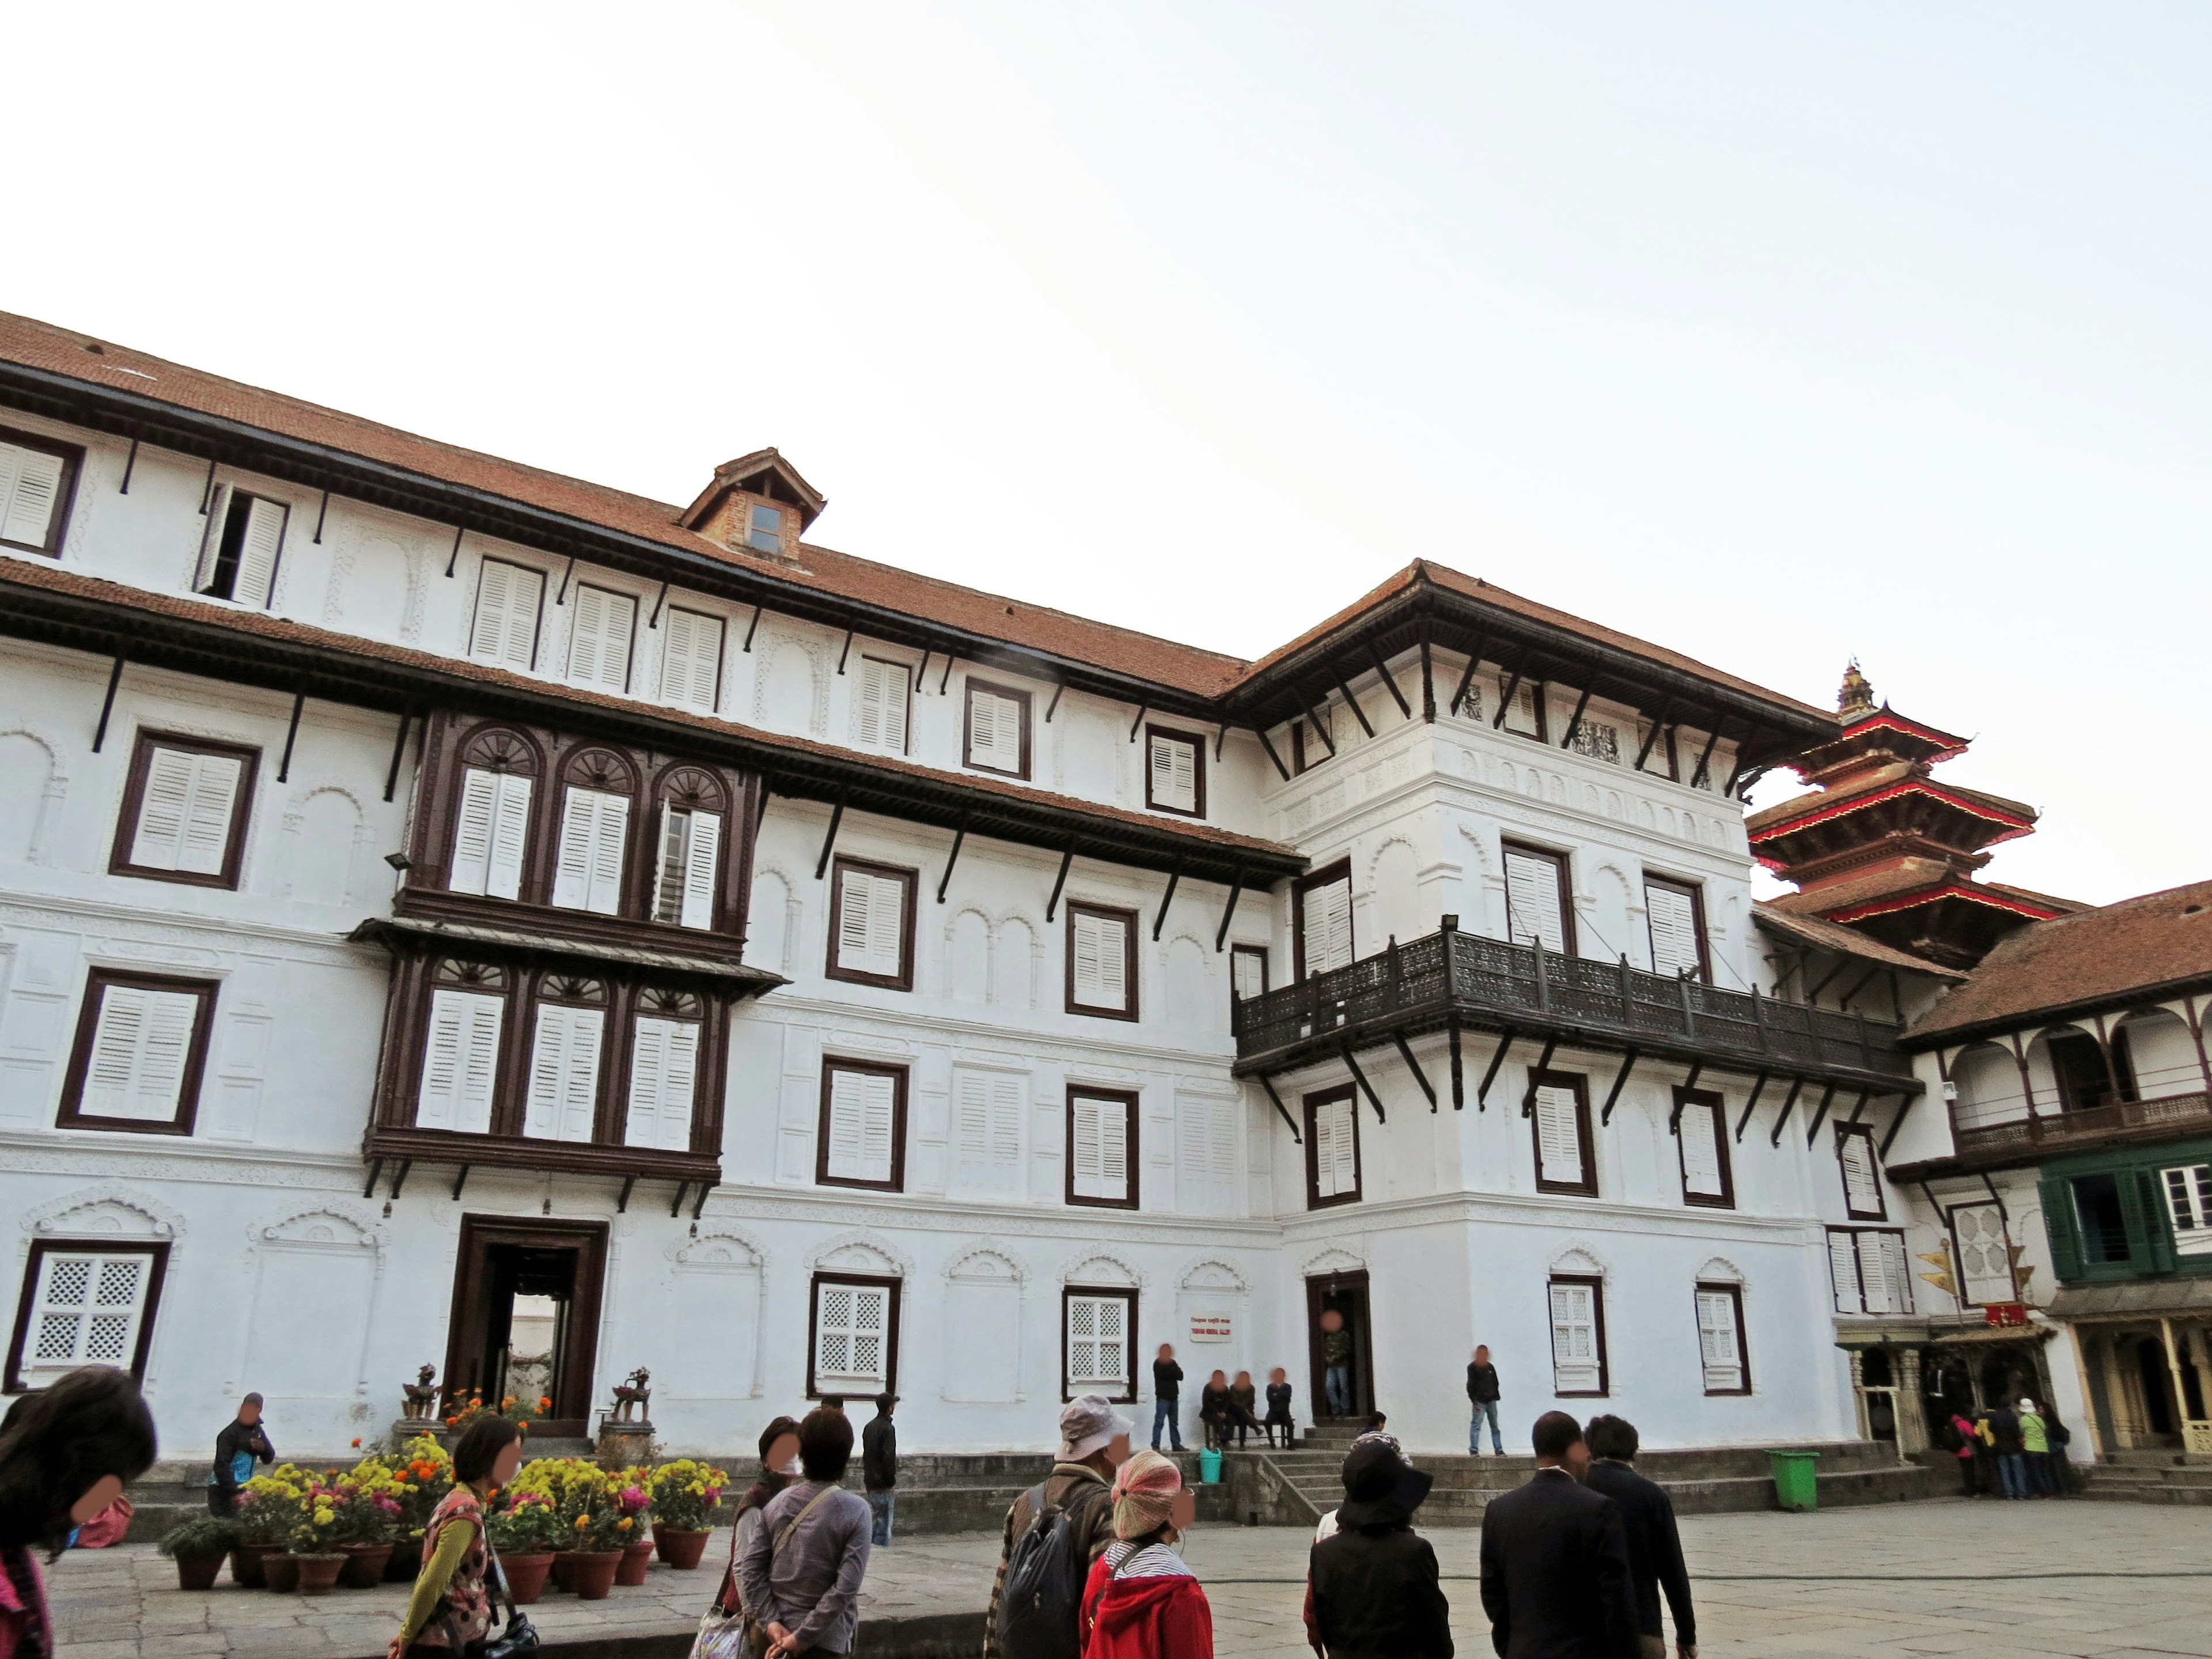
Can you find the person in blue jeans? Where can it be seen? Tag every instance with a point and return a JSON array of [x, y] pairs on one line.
[[1336, 1362], [879, 1468], [1482, 1394], [1167, 1397]]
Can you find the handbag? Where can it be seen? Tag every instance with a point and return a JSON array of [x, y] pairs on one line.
[[727, 1630], [520, 1636]]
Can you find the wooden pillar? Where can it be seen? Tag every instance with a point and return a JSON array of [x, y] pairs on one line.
[[1911, 1406], [1858, 1392], [2095, 1396]]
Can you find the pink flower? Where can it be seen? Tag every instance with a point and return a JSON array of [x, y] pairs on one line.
[[632, 1498]]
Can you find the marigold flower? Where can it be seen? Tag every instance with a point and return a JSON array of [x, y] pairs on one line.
[[624, 1524]]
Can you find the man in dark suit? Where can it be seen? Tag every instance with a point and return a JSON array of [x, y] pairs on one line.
[[1655, 1547], [1555, 1560]]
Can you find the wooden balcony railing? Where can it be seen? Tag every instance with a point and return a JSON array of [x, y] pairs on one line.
[[1453, 977], [2129, 1119]]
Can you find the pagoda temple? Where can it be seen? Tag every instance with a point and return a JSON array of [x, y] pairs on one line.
[[1880, 846]]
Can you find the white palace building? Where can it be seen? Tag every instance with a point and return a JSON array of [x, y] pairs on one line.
[[451, 913]]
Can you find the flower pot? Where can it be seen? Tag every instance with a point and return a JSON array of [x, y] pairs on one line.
[[279, 1571], [562, 1577], [406, 1562], [526, 1574], [593, 1573], [245, 1562], [196, 1572], [681, 1546], [318, 1574], [364, 1565], [635, 1558]]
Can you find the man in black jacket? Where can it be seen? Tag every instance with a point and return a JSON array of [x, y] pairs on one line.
[[1167, 1397], [1482, 1394], [1372, 1589], [879, 1465], [1555, 1560], [1655, 1547], [242, 1443]]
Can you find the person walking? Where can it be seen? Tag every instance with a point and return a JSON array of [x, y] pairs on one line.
[[1214, 1415], [779, 1451], [1167, 1397], [2054, 1465], [800, 1571], [1243, 1407], [63, 1459], [1555, 1574], [2035, 1450], [1655, 1543], [1970, 1440], [1279, 1409], [879, 1465], [1054, 1533], [1482, 1394], [1372, 1586], [2005, 1441], [1141, 1602], [1336, 1362], [452, 1607], [242, 1444]]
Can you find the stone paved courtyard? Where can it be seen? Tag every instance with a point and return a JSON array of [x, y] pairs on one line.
[[2080, 1578]]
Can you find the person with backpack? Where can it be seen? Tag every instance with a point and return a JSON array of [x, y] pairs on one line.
[[2012, 1456], [2035, 1442], [1141, 1602], [1054, 1532], [799, 1575]]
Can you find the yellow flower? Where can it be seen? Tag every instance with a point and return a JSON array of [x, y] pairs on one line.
[[624, 1525], [582, 1522]]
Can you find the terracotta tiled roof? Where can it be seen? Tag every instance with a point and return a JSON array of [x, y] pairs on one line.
[[37, 573], [1833, 936], [2092, 956]]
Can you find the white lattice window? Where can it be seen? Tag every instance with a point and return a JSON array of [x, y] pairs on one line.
[[1985, 1274], [2189, 1203], [1720, 1339], [87, 1307], [1098, 1337], [853, 1336], [1577, 1337]]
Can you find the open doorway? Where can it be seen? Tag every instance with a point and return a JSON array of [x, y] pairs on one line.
[[1348, 1333], [526, 1318]]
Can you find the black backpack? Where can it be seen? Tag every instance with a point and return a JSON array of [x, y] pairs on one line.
[[1041, 1605]]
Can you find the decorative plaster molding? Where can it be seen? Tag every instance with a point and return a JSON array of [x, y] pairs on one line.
[[1213, 1273], [860, 1241], [970, 1265], [1072, 1269], [1335, 1260], [109, 1209], [308, 1224]]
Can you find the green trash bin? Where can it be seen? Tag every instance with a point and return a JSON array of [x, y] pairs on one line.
[[1797, 1479], [1209, 1467]]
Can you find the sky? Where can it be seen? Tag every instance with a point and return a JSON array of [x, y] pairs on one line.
[[1775, 334]]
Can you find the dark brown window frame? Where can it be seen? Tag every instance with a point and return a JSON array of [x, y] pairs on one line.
[[907, 673], [1197, 745], [720, 665], [1259, 951], [1587, 1187], [1742, 1337], [1327, 876], [899, 1074], [1844, 1132], [40, 1249], [629, 656], [72, 459], [967, 726], [537, 622], [896, 1286], [1596, 1283], [1128, 1099], [1686, 1102], [1125, 1293], [88, 1023], [1129, 965], [1696, 896], [233, 495], [1312, 1105], [1507, 848], [1540, 697], [134, 796], [903, 980]]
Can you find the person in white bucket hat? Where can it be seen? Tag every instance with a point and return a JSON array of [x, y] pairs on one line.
[[1054, 1531]]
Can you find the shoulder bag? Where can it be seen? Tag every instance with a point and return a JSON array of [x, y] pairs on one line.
[[727, 1630]]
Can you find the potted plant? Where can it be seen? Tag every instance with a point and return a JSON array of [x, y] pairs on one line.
[[583, 1500], [315, 1541], [369, 1513], [198, 1546], [631, 1502], [268, 1510], [525, 1530], [684, 1495], [424, 1476]]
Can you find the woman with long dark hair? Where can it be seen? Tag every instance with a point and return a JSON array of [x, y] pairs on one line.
[[64, 1456], [452, 1607], [778, 1450]]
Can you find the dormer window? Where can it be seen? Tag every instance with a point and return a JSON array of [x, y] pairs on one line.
[[763, 528]]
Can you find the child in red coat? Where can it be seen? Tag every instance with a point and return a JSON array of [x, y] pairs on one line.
[[1141, 1601]]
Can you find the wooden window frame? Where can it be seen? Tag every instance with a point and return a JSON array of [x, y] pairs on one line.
[[1844, 1133], [1587, 1187], [1128, 921], [1510, 847], [1859, 1269], [1311, 1106], [630, 652], [40, 1249], [1324, 877], [1540, 697], [660, 694], [1197, 745], [903, 980], [832, 1064], [1132, 1197], [972, 685], [88, 1023], [229, 496], [814, 1329], [134, 797], [1742, 1337], [1596, 1283], [1698, 1100], [538, 623], [906, 724], [1123, 1293], [1696, 896], [72, 459], [1236, 951]]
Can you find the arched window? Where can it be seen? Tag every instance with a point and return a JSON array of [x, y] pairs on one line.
[[666, 1038], [569, 1035], [491, 819], [591, 859], [461, 1050], [688, 848]]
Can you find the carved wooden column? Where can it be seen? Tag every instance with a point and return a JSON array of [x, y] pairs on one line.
[[1911, 1407], [1858, 1392]]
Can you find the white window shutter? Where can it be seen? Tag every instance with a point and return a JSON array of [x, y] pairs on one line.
[[994, 731], [185, 812], [594, 829], [691, 659], [1102, 961], [664, 1072], [1328, 927], [1336, 1148], [1575, 1368], [871, 924], [1894, 1271], [601, 626], [1324, 1139], [1861, 1193], [508, 599], [863, 1118], [1719, 1343], [1985, 1254], [1559, 1136], [1701, 1151], [1673, 918], [460, 1062], [258, 553], [140, 1044], [218, 512], [510, 837], [883, 715], [1174, 772], [564, 1073], [472, 828], [702, 856], [86, 1310], [1532, 900], [30, 491], [2189, 1204], [1248, 969], [1100, 1149], [1844, 1271]]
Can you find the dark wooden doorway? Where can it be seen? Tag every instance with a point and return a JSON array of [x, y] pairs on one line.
[[1344, 1293], [560, 1263]]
